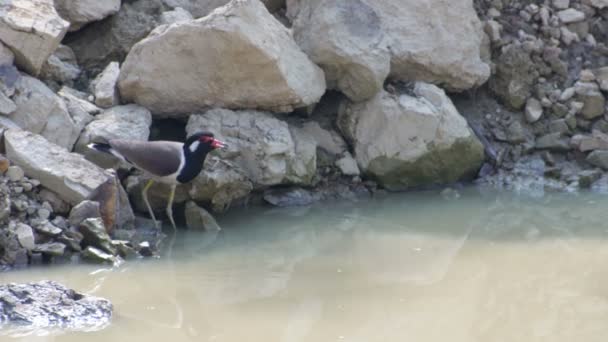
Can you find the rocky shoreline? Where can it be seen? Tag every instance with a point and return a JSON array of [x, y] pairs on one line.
[[317, 100]]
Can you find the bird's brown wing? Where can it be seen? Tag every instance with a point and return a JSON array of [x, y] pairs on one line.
[[159, 158]]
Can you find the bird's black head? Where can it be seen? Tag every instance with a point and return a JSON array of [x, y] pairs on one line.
[[202, 142]]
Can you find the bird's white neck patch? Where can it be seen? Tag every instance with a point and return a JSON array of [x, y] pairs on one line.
[[194, 146]]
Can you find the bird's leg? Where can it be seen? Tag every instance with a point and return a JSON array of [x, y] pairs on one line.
[[170, 206], [144, 194]]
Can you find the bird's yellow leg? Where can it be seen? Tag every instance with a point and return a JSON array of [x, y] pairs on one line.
[[170, 206], [144, 194]]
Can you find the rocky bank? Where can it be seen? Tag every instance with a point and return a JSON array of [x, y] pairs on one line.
[[317, 99]]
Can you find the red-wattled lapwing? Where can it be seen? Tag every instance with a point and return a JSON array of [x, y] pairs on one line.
[[168, 162]]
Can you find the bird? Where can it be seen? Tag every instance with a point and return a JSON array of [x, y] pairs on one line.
[[168, 162]]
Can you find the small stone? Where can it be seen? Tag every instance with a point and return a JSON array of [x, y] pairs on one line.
[[70, 242], [568, 36], [601, 75], [44, 213], [124, 249], [96, 255], [27, 187], [492, 28], [50, 248], [15, 173], [570, 15], [560, 110], [559, 126], [4, 164], [598, 158], [567, 94], [18, 189], [493, 13], [95, 235], [145, 249], [515, 133], [561, 4], [534, 110], [553, 142], [82, 211], [47, 228], [586, 75], [586, 178], [348, 165], [25, 236]]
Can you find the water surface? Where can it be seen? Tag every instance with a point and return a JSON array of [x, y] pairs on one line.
[[409, 267]]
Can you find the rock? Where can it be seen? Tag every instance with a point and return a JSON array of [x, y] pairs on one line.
[[104, 86], [44, 213], [411, 140], [120, 122], [15, 173], [95, 235], [593, 101], [58, 205], [221, 184], [514, 76], [198, 218], [40, 111], [25, 236], [177, 15], [302, 167], [598, 158], [345, 38], [272, 74], [348, 165], [7, 106], [11, 253], [4, 164], [102, 42], [601, 75], [32, 29], [82, 211], [202, 8], [570, 15], [585, 143], [586, 178], [534, 110], [47, 304], [145, 249], [47, 228], [553, 142], [82, 12], [561, 4], [114, 206], [50, 248], [5, 207], [61, 66], [599, 3], [6, 55], [493, 29], [96, 255], [260, 145], [290, 197], [71, 176], [328, 140]]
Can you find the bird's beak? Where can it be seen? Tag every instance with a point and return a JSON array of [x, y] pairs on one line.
[[218, 144]]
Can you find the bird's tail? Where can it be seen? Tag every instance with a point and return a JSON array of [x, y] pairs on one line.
[[106, 148]]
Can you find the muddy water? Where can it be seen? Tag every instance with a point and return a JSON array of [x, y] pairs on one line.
[[413, 267]]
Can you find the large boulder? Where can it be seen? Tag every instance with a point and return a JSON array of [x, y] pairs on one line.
[[71, 176], [82, 12], [32, 29], [40, 110], [120, 122], [260, 145], [406, 141], [50, 305], [201, 8], [239, 56], [102, 42], [346, 39], [430, 40]]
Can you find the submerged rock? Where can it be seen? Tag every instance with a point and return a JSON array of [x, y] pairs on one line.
[[198, 218], [239, 56], [290, 197], [50, 305]]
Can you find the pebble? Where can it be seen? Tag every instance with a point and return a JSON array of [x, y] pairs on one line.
[[15, 173], [570, 15], [4, 164], [44, 213], [561, 4]]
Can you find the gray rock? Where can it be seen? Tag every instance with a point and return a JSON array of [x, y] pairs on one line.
[[596, 141], [7, 106], [250, 39], [198, 218], [96, 255], [57, 205], [177, 15], [553, 142], [346, 39], [50, 248], [41, 111], [561, 4], [570, 15], [61, 66], [586, 178], [15, 173], [72, 177], [47, 228], [25, 236], [328, 140], [413, 140], [95, 235], [7, 57], [598, 158], [11, 253], [601, 75], [32, 29], [82, 211], [534, 110], [593, 101], [348, 165], [49, 305], [44, 214], [302, 167], [82, 12], [104, 86], [202, 8], [514, 76], [5, 207], [290, 197]]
